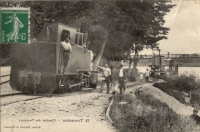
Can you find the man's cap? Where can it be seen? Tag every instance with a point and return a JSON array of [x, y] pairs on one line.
[[195, 110]]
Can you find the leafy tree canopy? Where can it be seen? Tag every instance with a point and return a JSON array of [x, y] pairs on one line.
[[113, 26]]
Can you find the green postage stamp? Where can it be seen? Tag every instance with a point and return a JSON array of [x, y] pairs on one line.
[[15, 26]]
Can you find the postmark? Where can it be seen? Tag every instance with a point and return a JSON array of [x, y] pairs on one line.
[[15, 25], [37, 24]]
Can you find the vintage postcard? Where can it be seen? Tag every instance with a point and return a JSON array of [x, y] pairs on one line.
[[103, 66]]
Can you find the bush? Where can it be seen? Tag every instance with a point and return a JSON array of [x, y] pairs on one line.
[[145, 114], [170, 90], [186, 82], [132, 78]]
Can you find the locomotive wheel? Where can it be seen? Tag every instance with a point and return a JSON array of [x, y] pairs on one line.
[[93, 86], [71, 82], [63, 89], [79, 80], [64, 84], [80, 87]]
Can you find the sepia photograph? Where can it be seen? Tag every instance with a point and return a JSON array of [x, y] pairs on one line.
[[100, 65]]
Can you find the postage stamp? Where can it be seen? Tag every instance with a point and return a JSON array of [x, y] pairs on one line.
[[15, 25]]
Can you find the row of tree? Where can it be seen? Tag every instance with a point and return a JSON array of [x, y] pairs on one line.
[[115, 27]]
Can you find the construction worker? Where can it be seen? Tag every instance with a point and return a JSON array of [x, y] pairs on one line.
[[106, 78]]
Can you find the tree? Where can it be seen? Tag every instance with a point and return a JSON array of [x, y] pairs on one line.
[[147, 29], [114, 27], [194, 55], [102, 19]]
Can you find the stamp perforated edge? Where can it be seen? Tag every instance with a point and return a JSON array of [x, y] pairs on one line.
[[15, 8]]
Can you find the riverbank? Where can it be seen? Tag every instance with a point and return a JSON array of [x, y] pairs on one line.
[[152, 108]]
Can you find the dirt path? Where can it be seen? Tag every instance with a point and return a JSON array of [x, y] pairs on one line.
[[174, 104], [78, 113]]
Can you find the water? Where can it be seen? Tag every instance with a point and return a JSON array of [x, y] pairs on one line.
[[6, 70], [196, 70], [181, 70]]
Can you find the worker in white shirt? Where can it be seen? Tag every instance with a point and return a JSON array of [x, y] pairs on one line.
[[122, 79], [106, 78], [147, 74], [67, 49]]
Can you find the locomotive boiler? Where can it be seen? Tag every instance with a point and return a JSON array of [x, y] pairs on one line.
[[37, 68]]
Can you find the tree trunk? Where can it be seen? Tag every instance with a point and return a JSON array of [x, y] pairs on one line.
[[100, 53], [135, 61], [129, 68]]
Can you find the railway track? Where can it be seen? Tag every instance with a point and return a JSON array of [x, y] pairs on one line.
[[15, 98], [19, 97], [11, 98], [4, 79], [11, 94]]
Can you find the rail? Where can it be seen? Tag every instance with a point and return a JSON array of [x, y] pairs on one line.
[[5, 75], [16, 101], [4, 81]]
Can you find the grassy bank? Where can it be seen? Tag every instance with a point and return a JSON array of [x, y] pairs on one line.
[[146, 114]]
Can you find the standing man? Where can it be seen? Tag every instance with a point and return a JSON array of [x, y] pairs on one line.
[[147, 73], [141, 77], [122, 79], [67, 49], [114, 79], [106, 78]]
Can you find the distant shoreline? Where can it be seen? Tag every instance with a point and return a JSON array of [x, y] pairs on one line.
[[165, 66]]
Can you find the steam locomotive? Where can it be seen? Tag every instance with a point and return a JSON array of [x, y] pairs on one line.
[[36, 68]]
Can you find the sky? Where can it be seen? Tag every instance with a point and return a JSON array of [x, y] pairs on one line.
[[184, 23]]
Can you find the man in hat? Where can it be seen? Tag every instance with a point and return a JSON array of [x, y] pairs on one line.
[[122, 79], [195, 117], [106, 78], [147, 74], [114, 79], [67, 49], [141, 77]]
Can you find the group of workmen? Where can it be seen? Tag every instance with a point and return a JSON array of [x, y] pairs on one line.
[[110, 77], [113, 78]]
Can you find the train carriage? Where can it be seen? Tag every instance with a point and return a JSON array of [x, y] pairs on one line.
[[38, 67]]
